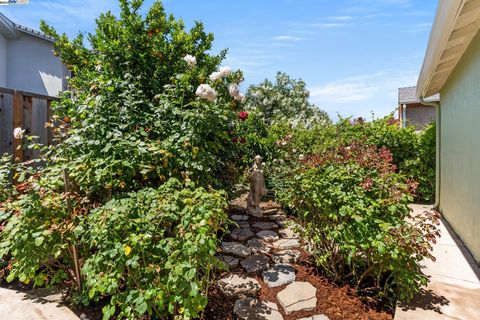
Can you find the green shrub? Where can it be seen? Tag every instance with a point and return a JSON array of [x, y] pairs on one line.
[[354, 210], [153, 251], [146, 118]]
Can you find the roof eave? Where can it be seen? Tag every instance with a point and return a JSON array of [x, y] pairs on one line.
[[456, 23]]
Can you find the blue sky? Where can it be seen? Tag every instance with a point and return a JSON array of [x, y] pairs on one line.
[[353, 54]]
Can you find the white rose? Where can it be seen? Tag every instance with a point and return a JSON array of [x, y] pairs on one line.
[[225, 71], [215, 76], [206, 92], [301, 157], [233, 90], [190, 60], [18, 133]]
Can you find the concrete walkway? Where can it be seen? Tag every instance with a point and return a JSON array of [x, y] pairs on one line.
[[42, 305], [454, 288]]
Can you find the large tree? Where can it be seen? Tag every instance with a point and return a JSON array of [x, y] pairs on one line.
[[286, 99]]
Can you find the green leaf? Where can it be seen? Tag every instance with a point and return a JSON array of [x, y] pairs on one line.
[[39, 241]]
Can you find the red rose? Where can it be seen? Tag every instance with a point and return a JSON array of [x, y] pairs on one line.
[[151, 33], [243, 115], [243, 140], [235, 140]]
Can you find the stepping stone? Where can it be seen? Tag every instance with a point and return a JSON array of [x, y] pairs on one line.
[[317, 317], [288, 233], [286, 244], [230, 261], [298, 296], [237, 249], [279, 217], [243, 224], [267, 235], [259, 246], [255, 263], [279, 275], [239, 217], [265, 225], [269, 212], [286, 256], [255, 309], [242, 234], [239, 286]]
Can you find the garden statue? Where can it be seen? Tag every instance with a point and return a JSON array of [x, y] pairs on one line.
[[257, 188]]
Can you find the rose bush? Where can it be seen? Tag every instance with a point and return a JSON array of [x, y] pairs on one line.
[[354, 210], [141, 146]]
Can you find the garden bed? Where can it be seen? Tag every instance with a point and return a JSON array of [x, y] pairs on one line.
[[338, 303]]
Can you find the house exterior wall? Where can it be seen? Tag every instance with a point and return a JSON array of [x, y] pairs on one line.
[[419, 115], [460, 149], [32, 67], [3, 61]]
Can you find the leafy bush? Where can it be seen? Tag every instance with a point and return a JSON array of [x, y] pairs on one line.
[[147, 117], [153, 251], [354, 209], [139, 115]]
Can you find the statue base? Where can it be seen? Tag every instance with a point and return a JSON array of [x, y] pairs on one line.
[[255, 211]]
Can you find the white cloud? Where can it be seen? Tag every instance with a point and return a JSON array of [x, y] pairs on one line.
[[329, 25], [287, 38], [341, 18], [362, 87]]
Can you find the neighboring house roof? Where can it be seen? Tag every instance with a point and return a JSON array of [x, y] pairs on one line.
[[456, 24], [408, 95], [10, 30]]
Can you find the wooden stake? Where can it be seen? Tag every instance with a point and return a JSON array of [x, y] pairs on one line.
[[76, 259]]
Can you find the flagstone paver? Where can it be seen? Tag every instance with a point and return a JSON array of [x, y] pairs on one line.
[[279, 275], [239, 217], [288, 233], [255, 309], [298, 296], [242, 234], [268, 235], [265, 225], [259, 246], [237, 249], [230, 261], [255, 263], [286, 244], [243, 224], [286, 256], [269, 212], [239, 286]]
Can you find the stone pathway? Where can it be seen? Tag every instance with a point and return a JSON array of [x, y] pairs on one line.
[[265, 247]]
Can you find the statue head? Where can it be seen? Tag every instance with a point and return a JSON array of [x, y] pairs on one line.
[[258, 159]]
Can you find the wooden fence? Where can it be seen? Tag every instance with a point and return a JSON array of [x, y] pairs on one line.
[[27, 110]]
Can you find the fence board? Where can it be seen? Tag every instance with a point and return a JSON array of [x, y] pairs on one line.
[[6, 123], [27, 125], [28, 111], [17, 122], [39, 117]]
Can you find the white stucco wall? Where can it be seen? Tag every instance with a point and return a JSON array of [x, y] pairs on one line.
[[32, 67], [3, 61], [460, 152]]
